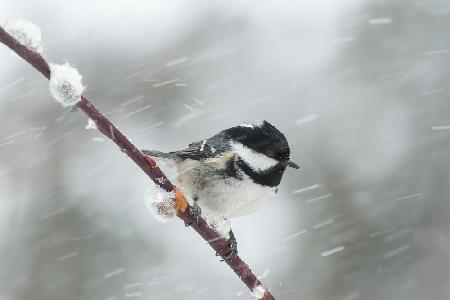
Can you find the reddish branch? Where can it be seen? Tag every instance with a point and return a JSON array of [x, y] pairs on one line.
[[148, 165]]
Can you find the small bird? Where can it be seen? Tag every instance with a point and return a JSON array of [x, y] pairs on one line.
[[233, 173]]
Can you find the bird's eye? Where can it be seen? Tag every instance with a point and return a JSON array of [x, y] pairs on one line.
[[270, 154]]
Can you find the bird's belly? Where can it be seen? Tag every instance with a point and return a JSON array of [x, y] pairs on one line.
[[219, 194], [234, 198]]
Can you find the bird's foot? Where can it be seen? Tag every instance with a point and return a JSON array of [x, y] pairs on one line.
[[232, 252], [196, 212]]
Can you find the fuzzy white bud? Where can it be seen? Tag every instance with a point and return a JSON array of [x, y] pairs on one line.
[[161, 203], [26, 33], [65, 84]]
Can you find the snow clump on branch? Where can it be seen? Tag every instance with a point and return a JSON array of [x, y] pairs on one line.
[[65, 84], [26, 33], [161, 203], [220, 225], [259, 292]]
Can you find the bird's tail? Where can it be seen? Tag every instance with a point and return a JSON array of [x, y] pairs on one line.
[[167, 155]]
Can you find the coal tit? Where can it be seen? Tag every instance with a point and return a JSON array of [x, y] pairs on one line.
[[233, 173]]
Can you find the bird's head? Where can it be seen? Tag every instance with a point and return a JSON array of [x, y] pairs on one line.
[[261, 146]]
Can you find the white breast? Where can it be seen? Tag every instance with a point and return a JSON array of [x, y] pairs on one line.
[[228, 197], [235, 198]]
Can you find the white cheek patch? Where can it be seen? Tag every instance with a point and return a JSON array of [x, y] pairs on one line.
[[257, 161]]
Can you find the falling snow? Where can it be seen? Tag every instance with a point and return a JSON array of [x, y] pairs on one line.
[[380, 21], [176, 61], [306, 119], [293, 236], [415, 195], [323, 223], [167, 82], [397, 251], [114, 273], [332, 251], [441, 127], [70, 255], [426, 93], [352, 296], [12, 84], [312, 200], [91, 124], [308, 188], [434, 52], [141, 109]]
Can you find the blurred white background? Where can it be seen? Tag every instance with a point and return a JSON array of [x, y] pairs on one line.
[[360, 89]]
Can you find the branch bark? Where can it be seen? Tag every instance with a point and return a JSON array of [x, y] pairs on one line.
[[148, 165]]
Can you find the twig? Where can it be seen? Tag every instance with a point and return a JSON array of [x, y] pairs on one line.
[[148, 165]]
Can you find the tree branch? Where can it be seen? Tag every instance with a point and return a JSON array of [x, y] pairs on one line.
[[148, 165]]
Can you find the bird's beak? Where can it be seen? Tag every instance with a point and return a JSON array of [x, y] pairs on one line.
[[292, 164]]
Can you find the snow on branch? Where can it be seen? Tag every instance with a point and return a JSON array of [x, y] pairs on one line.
[[65, 84], [26, 33], [220, 225], [149, 166], [259, 292], [161, 203]]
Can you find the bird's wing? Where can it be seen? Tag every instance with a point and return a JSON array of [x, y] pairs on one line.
[[196, 151]]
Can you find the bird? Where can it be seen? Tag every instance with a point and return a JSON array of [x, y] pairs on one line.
[[233, 173]]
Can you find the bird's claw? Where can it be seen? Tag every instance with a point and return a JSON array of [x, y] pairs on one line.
[[196, 212], [232, 252]]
